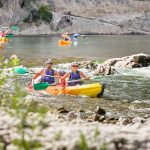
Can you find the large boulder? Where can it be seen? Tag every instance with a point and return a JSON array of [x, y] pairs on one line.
[[135, 61]]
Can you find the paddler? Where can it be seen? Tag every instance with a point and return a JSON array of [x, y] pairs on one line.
[[47, 75], [66, 36], [74, 75], [3, 35]]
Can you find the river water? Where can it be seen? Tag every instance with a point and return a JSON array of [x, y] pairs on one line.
[[127, 93]]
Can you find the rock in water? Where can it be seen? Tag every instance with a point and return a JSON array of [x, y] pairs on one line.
[[62, 110], [100, 111], [110, 66]]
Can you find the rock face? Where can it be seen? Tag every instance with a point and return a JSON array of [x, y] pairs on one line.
[[107, 17], [135, 61]]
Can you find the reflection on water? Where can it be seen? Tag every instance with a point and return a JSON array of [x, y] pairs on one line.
[[91, 46]]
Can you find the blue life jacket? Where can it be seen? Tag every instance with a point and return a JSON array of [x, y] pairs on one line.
[[50, 80], [74, 77]]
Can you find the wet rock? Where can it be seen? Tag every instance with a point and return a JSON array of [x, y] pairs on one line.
[[110, 66], [142, 60], [100, 111], [88, 65], [147, 116], [101, 118], [71, 115], [60, 117], [138, 119], [89, 120], [111, 119], [94, 117], [81, 110], [124, 121], [104, 70], [62, 110]]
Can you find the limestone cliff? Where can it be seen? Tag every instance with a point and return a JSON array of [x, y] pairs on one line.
[[83, 16]]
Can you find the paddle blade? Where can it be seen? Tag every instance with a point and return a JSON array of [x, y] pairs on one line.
[[14, 28], [21, 70], [10, 35], [41, 86]]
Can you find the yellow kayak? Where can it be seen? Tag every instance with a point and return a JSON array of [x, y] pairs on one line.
[[64, 43], [90, 90]]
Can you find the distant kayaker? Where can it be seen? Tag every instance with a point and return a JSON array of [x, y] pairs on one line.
[[47, 75], [73, 75], [3, 35], [66, 36], [75, 36]]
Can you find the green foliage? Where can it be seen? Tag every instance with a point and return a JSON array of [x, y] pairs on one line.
[[103, 147], [58, 135], [17, 106], [45, 14], [83, 142], [42, 14], [96, 133], [27, 144]]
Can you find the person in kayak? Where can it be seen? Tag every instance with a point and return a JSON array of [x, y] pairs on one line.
[[3, 35], [75, 36], [73, 75], [47, 75], [66, 36]]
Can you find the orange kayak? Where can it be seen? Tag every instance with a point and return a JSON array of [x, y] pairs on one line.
[[64, 43]]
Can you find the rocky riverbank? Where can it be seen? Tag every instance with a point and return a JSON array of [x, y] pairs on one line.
[[67, 130]]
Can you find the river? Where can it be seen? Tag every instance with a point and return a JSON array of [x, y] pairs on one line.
[[92, 46], [127, 93]]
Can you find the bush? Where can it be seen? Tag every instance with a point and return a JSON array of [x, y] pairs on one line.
[[45, 14], [42, 14]]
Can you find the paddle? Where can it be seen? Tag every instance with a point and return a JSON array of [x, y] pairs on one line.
[[42, 86], [24, 71], [10, 35], [14, 27], [21, 70]]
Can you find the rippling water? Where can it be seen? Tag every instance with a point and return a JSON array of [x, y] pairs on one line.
[[127, 93]]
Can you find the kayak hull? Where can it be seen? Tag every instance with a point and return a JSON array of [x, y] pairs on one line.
[[90, 90], [64, 43], [3, 41]]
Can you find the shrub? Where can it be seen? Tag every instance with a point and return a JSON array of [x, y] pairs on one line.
[[42, 14], [45, 14]]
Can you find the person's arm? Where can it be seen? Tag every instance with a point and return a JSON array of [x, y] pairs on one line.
[[67, 75], [40, 73], [56, 74], [84, 76]]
